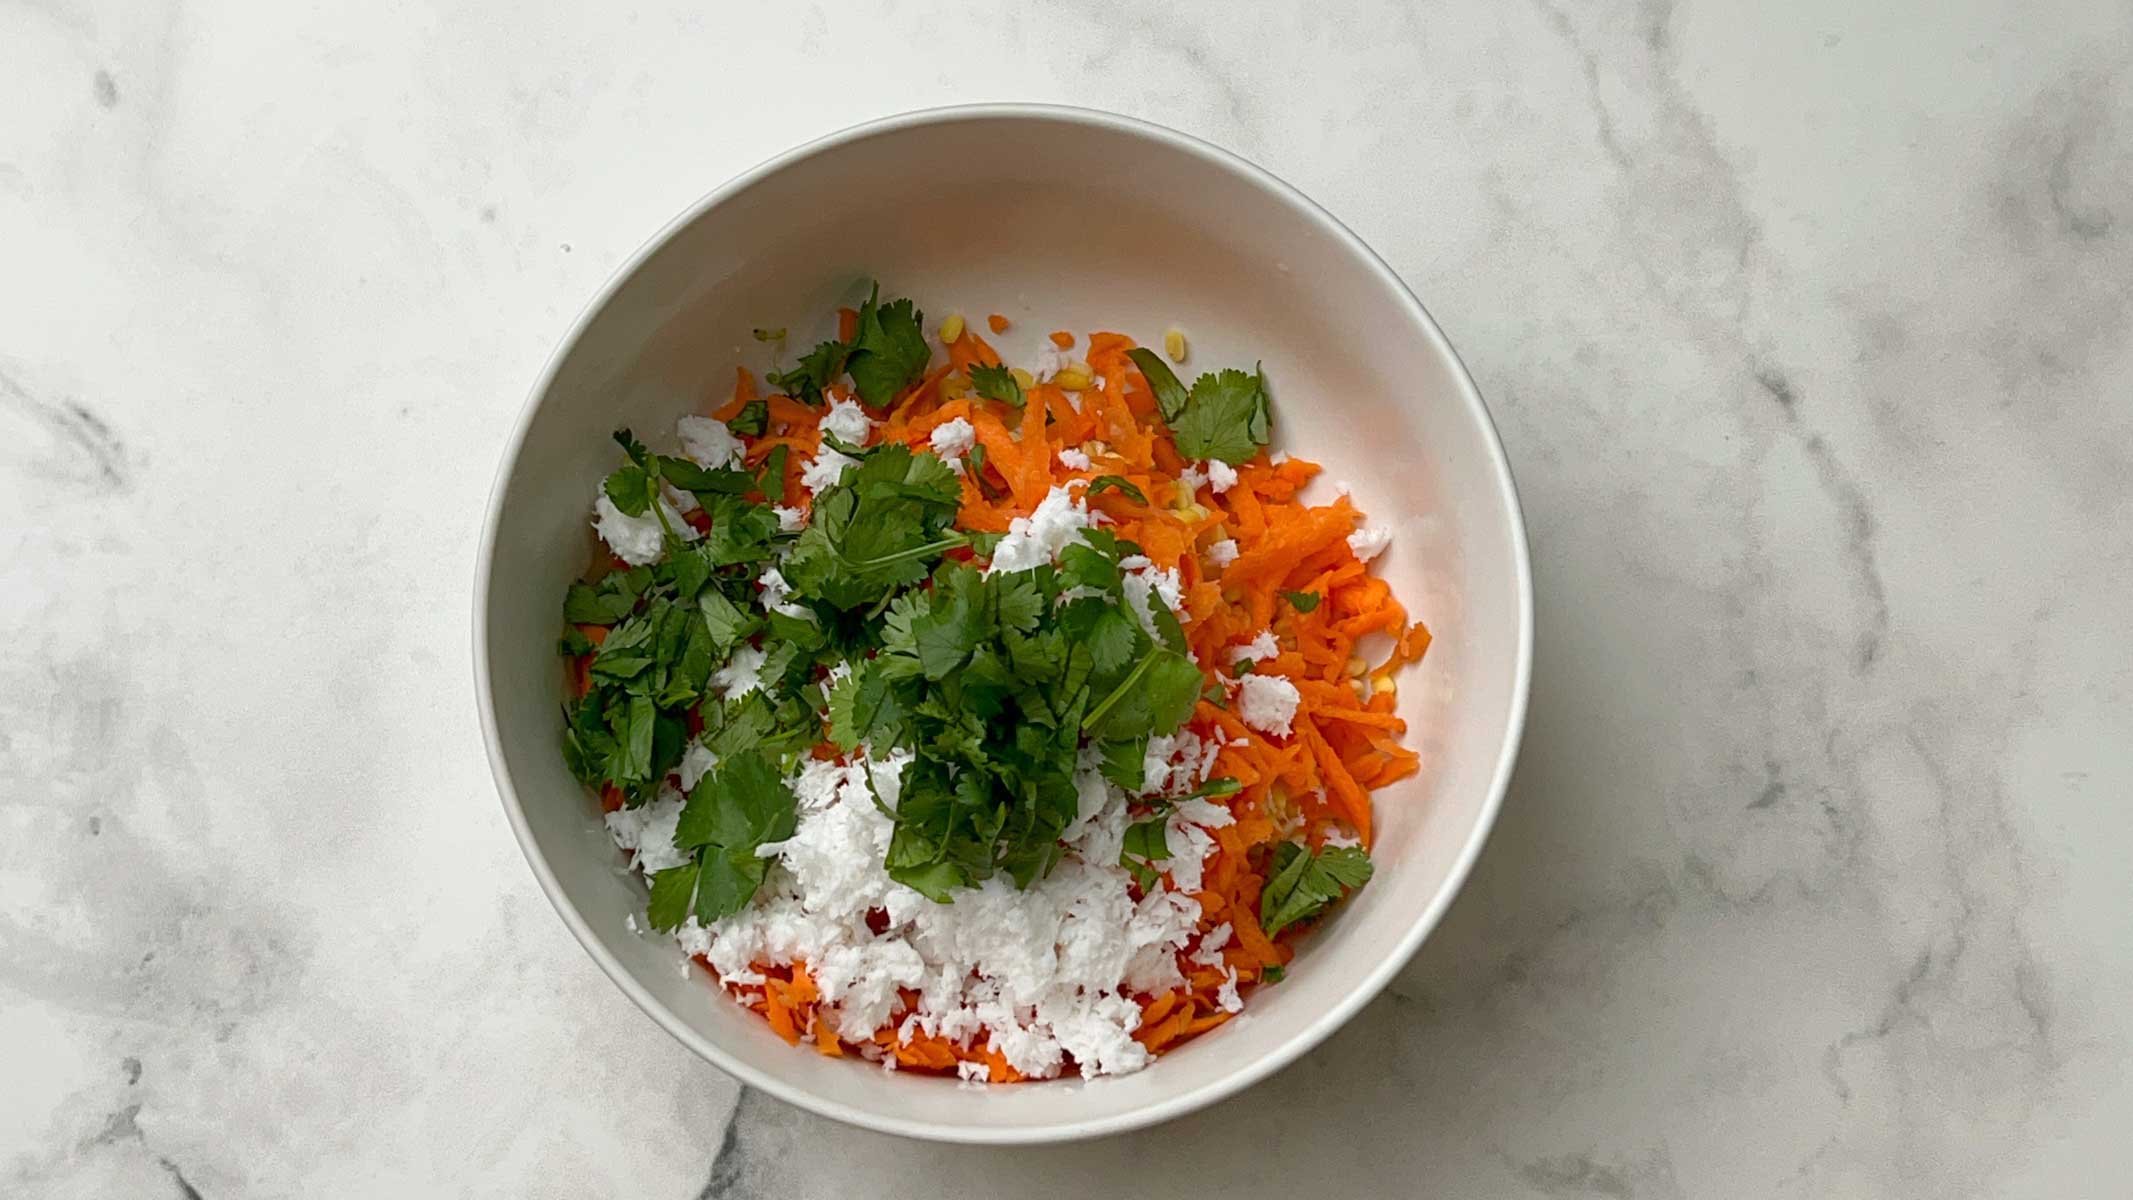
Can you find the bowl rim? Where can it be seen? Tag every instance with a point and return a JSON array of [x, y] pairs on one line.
[[1168, 1108]]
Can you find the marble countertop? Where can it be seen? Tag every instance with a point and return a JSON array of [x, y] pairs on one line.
[[1810, 333]]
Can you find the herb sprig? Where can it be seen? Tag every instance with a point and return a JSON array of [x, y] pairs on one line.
[[886, 354]]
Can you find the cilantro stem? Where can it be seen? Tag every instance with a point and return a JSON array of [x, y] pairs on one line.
[[1097, 714], [947, 543], [659, 504]]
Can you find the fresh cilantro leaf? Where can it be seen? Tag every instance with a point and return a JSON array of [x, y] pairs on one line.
[[801, 632], [843, 447], [881, 527], [1018, 603], [1105, 483], [688, 568], [1244, 667], [1168, 629], [673, 893], [724, 620], [603, 603], [633, 489], [975, 461], [1225, 417], [818, 369], [1090, 566], [633, 751], [863, 707], [944, 637], [752, 420], [740, 725], [933, 880], [1106, 632], [783, 664], [689, 477], [692, 667], [1169, 393], [1302, 602], [632, 648], [1147, 840], [1273, 973], [1303, 884], [669, 738], [1221, 785], [589, 744], [889, 349], [728, 881], [741, 804], [632, 448], [770, 480], [1125, 763], [1172, 689], [573, 643], [742, 531], [1155, 698], [1034, 658], [1145, 846], [995, 382], [764, 803]]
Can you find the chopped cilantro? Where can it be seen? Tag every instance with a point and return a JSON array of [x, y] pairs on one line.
[[703, 481], [752, 420], [878, 529], [1003, 687], [887, 353], [1225, 417], [632, 489], [1169, 393], [889, 349], [1221, 785], [1146, 844], [1146, 839], [996, 383], [819, 368], [740, 806], [1106, 483], [1303, 883], [1302, 602], [1158, 694], [725, 620], [608, 600], [771, 479]]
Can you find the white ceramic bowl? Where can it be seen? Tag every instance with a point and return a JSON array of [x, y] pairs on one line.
[[1062, 219]]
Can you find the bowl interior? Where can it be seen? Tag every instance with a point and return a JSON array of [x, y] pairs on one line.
[[1060, 221]]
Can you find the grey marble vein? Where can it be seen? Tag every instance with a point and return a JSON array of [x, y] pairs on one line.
[[1809, 332]]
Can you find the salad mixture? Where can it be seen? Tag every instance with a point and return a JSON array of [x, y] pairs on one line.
[[992, 720]]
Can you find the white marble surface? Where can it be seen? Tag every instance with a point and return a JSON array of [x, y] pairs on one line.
[[1808, 327]]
